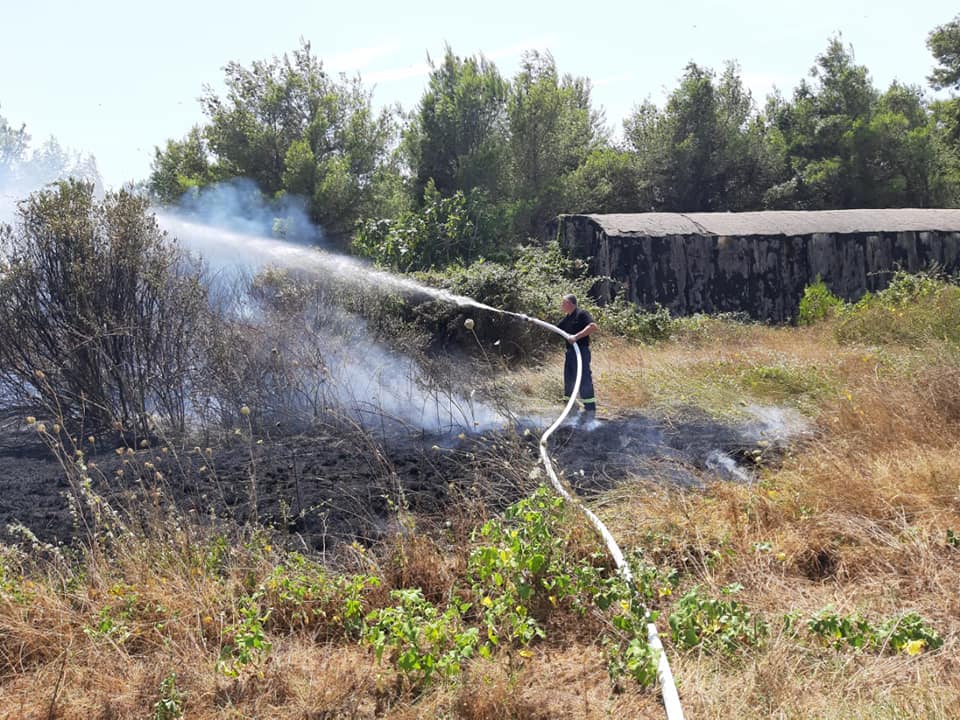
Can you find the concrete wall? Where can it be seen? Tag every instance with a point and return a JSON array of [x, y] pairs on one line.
[[763, 277]]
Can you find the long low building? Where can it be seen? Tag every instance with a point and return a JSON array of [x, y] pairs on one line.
[[757, 263]]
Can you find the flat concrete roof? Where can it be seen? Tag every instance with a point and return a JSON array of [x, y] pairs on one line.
[[780, 222]]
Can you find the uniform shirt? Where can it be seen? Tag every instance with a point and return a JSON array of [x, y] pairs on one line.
[[574, 323]]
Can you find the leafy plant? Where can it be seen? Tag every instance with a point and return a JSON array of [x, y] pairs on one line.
[[716, 623], [840, 630], [521, 563], [248, 644], [301, 593], [622, 317], [438, 234], [421, 640], [908, 633], [524, 571], [170, 704], [817, 303]]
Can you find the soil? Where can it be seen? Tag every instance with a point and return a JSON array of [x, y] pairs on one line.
[[336, 484]]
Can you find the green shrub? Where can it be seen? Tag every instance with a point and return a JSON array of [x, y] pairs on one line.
[[170, 704], [444, 230], [247, 644], [621, 317], [716, 623], [523, 571], [913, 310], [908, 633], [420, 639], [817, 303], [532, 285], [302, 593]]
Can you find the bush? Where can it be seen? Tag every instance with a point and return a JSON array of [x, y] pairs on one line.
[[624, 318], [817, 303], [443, 231], [913, 310], [533, 285], [715, 623], [910, 633], [99, 309]]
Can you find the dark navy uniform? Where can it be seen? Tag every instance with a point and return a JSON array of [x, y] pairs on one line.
[[572, 324]]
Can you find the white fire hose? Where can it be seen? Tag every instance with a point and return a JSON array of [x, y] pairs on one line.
[[668, 688]]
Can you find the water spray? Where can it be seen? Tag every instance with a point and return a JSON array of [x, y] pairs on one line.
[[668, 688]]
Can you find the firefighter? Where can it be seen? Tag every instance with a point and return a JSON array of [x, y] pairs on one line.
[[579, 326]]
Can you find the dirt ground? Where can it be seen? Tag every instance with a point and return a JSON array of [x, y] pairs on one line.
[[337, 484]]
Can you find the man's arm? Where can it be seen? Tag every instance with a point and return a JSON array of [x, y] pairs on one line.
[[587, 331]]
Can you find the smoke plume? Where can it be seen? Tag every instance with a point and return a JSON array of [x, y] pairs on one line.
[[238, 235]]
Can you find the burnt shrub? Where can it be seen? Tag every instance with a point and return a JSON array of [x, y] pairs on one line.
[[98, 309]]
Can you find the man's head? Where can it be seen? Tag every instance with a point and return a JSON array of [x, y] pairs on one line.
[[568, 304]]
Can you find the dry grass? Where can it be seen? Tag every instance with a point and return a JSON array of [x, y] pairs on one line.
[[855, 517]]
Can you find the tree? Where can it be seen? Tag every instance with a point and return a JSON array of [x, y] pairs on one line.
[[703, 150], [609, 181], [23, 170], [553, 128], [289, 127], [180, 166], [842, 144], [458, 136], [13, 146], [944, 43], [104, 309]]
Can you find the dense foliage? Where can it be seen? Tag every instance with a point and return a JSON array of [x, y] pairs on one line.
[[484, 161]]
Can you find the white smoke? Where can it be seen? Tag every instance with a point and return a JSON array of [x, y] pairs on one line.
[[23, 172], [240, 252], [234, 232]]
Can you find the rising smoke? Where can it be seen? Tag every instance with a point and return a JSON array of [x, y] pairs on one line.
[[24, 171], [238, 235]]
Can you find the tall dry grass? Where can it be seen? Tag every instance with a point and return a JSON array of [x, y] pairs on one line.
[[855, 518]]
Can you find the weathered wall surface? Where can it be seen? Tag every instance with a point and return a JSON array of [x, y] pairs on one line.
[[762, 276]]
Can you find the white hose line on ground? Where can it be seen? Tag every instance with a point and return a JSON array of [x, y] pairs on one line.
[[668, 688]]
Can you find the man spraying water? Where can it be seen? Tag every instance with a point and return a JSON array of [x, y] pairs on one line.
[[579, 326]]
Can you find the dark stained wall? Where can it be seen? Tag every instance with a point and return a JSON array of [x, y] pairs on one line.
[[762, 276]]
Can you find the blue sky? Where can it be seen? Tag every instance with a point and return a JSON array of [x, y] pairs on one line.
[[116, 79]]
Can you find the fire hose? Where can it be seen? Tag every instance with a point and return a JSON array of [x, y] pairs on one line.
[[668, 688]]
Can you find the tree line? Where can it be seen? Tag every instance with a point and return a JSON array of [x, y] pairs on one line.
[[484, 160]]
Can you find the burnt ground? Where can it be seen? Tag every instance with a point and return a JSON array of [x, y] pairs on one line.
[[337, 484]]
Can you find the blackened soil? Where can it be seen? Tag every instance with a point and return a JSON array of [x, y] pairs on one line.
[[334, 485]]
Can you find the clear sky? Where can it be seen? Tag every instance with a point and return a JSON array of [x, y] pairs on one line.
[[116, 79]]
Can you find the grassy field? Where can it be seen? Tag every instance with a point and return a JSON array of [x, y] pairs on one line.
[[826, 588]]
